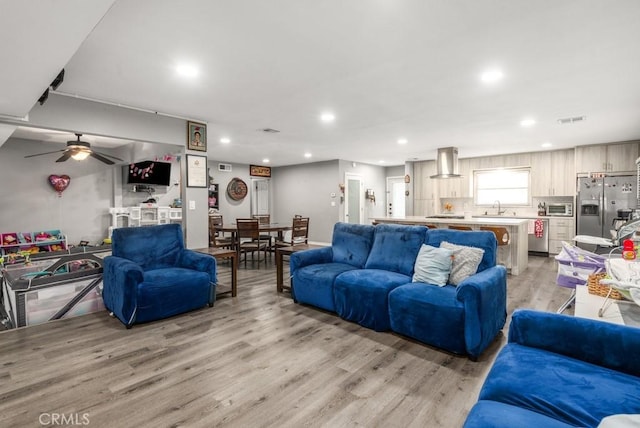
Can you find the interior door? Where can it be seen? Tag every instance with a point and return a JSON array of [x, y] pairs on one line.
[[260, 196], [395, 197], [354, 196]]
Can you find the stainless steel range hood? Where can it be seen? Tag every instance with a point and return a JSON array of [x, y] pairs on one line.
[[447, 163]]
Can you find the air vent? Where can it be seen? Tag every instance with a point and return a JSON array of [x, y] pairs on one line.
[[569, 120], [270, 130], [224, 167]]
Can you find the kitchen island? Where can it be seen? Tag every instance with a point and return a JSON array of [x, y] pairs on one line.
[[515, 255]]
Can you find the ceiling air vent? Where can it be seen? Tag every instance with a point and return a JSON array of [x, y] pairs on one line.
[[224, 167], [569, 120], [270, 130]]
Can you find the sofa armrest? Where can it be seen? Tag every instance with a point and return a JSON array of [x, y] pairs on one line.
[[484, 296], [201, 262], [597, 342], [310, 257], [120, 280]]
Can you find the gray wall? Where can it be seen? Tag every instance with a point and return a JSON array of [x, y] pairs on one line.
[[394, 171], [229, 208], [306, 190], [373, 177], [76, 115], [29, 203]]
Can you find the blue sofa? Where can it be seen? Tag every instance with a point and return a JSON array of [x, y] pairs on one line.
[[560, 371], [150, 275], [365, 276]]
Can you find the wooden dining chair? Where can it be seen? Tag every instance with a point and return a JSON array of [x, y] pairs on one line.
[[456, 227], [265, 219], [299, 233], [248, 239], [216, 237], [502, 234], [503, 238]]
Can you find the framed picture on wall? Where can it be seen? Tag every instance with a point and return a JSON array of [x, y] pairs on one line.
[[197, 136], [196, 171]]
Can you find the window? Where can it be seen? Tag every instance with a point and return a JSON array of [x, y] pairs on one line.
[[510, 186]]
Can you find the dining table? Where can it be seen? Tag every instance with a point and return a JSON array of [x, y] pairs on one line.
[[267, 228], [278, 228]]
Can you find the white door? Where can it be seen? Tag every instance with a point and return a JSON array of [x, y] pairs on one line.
[[395, 197], [354, 196], [260, 196]]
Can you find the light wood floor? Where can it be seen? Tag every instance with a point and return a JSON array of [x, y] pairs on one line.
[[257, 360]]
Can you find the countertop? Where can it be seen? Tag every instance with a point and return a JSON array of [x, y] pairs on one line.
[[499, 221]]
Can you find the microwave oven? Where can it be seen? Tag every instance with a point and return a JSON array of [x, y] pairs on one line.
[[564, 209]]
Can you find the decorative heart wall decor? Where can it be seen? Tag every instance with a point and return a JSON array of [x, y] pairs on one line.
[[59, 182]]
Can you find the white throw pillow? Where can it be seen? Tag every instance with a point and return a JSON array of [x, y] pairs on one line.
[[620, 421], [465, 261], [432, 265]]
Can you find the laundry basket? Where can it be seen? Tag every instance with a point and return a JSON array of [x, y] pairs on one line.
[[575, 265]]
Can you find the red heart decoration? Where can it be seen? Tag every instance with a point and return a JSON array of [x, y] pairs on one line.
[[59, 182]]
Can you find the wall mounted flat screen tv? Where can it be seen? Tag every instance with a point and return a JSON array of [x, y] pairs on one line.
[[150, 172]]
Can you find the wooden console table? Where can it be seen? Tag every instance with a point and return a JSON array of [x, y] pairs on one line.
[[221, 254], [287, 251]]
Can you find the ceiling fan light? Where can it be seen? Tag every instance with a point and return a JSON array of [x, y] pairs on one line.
[[81, 155]]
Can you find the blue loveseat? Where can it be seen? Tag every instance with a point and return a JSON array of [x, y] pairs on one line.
[[560, 371], [365, 276], [150, 275]]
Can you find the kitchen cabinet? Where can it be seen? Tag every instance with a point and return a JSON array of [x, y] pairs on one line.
[[560, 229], [424, 187], [606, 158], [457, 187], [553, 173]]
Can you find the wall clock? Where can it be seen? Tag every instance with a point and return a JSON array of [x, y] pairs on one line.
[[237, 189]]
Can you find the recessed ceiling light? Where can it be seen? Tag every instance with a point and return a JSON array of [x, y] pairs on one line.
[[546, 144], [327, 117], [491, 76], [187, 70], [265, 160], [225, 140], [307, 155], [527, 122], [402, 141]]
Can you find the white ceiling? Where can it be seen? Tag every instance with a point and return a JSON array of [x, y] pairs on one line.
[[387, 69]]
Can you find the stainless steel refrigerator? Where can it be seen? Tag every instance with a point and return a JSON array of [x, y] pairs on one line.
[[601, 203]]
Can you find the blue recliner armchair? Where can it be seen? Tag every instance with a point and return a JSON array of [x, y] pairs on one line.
[[150, 275]]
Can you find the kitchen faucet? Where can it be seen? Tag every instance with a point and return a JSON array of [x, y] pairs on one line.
[[500, 212]]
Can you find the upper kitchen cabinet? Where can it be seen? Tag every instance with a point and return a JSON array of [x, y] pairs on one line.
[[553, 173], [457, 187], [606, 158], [424, 188]]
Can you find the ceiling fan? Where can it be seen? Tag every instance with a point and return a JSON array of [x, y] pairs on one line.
[[80, 150]]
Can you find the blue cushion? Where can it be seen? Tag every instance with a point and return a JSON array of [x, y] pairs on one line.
[[150, 247], [395, 247], [171, 291], [314, 284], [361, 296], [480, 239], [429, 314], [485, 414], [351, 243], [433, 265], [567, 389]]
